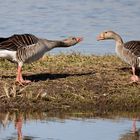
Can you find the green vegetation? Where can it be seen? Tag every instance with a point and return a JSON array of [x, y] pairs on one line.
[[70, 83]]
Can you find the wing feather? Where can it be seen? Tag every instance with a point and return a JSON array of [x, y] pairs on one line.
[[17, 41], [134, 47]]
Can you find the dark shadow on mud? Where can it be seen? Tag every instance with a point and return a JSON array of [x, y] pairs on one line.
[[128, 69], [125, 69], [47, 76]]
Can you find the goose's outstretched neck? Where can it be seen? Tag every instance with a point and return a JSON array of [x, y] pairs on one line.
[[62, 43], [53, 43]]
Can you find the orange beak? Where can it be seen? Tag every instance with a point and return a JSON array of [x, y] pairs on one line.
[[79, 39], [100, 37]]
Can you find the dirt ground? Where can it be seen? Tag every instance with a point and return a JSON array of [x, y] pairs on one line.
[[70, 82]]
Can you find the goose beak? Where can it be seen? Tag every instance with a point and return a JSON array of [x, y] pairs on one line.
[[100, 38], [79, 39]]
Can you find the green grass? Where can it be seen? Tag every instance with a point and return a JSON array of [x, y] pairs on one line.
[[70, 82]]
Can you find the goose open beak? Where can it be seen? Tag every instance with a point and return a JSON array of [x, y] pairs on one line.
[[100, 38], [79, 39]]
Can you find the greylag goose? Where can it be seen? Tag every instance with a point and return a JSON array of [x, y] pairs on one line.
[[26, 48], [129, 51]]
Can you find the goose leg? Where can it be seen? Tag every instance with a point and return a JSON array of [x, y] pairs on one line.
[[134, 126], [134, 77], [19, 77]]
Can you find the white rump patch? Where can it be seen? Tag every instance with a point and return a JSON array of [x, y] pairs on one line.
[[8, 54]]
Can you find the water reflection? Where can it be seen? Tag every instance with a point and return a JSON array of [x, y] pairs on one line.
[[134, 134], [29, 126], [18, 126], [4, 119], [17, 119], [130, 136]]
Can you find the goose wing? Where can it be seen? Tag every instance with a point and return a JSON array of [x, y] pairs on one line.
[[134, 47], [2, 39], [17, 41]]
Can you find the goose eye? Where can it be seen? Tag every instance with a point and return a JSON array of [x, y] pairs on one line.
[[105, 32], [73, 38]]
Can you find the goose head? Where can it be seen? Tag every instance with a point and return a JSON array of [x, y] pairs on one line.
[[106, 35], [70, 41]]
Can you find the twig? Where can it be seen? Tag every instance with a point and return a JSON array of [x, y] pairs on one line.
[[6, 89]]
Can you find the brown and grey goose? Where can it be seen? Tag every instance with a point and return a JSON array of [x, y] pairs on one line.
[[26, 48], [129, 51]]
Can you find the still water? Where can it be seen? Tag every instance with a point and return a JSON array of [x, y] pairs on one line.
[[43, 127], [58, 19], [55, 19]]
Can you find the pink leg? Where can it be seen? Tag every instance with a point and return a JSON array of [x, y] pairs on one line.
[[134, 77], [19, 77], [18, 125], [134, 126]]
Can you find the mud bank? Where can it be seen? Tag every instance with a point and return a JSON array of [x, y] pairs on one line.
[[70, 82]]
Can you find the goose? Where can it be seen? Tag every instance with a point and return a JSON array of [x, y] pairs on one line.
[[128, 52], [27, 48]]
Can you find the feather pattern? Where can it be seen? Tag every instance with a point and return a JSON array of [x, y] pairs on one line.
[[31, 53], [129, 51], [133, 47], [25, 45], [28, 48], [15, 42]]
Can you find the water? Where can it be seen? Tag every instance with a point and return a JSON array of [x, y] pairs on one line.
[[55, 19], [43, 127]]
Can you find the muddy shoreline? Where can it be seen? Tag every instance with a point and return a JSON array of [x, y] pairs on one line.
[[70, 83]]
